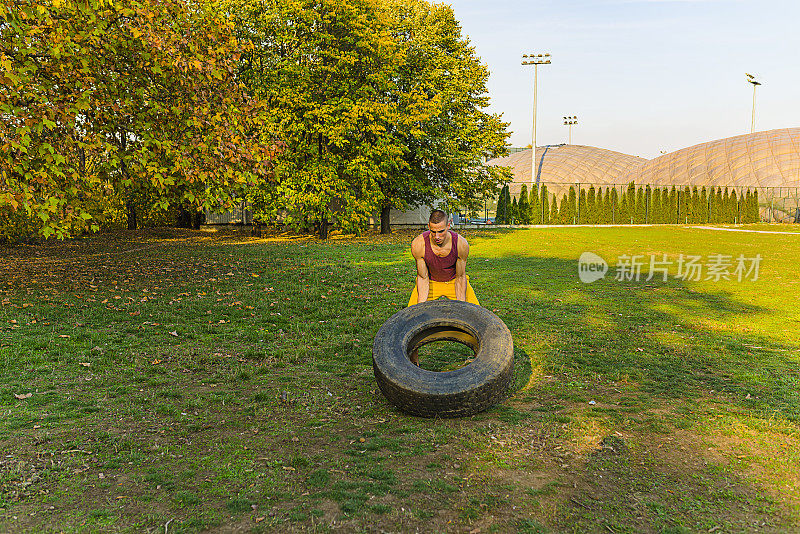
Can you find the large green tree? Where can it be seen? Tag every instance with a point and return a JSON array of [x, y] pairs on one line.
[[325, 68], [103, 98], [444, 157], [377, 104]]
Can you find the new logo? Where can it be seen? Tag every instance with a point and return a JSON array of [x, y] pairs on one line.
[[591, 267]]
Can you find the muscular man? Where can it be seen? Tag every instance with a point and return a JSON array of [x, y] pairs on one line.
[[441, 257]]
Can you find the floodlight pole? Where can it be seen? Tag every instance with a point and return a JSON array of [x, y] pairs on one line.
[[535, 60], [752, 79], [569, 121]]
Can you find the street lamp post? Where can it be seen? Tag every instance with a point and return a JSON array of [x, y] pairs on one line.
[[756, 83], [535, 60], [569, 121]]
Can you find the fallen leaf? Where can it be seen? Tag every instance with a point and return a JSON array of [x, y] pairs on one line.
[[65, 336], [85, 364], [156, 362], [174, 334], [23, 396]]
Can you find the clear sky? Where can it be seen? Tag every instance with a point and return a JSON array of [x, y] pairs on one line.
[[642, 76]]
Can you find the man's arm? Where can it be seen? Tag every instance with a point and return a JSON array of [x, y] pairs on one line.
[[423, 283], [461, 269]]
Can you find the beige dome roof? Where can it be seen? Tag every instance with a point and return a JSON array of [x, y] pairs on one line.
[[568, 164], [761, 159]]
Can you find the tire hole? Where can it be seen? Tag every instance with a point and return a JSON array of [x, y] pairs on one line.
[[444, 355]]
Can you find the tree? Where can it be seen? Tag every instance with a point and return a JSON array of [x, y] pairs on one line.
[[592, 213], [523, 206], [379, 105], [555, 216], [514, 212], [624, 212], [325, 68], [697, 206], [535, 216], [639, 206], [105, 99], [545, 205], [755, 212], [501, 216], [443, 155], [656, 214]]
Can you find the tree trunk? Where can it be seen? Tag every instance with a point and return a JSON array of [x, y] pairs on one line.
[[184, 219], [132, 220], [198, 218], [323, 229], [385, 227]]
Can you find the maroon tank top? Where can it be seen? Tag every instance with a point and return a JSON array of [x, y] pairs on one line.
[[441, 269]]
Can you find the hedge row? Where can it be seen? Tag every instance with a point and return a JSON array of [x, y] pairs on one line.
[[642, 205]]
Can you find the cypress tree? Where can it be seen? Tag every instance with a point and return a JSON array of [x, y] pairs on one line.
[[545, 205], [500, 214], [696, 206], [601, 203], [712, 205], [607, 206], [638, 216], [756, 210], [704, 214], [631, 204], [535, 212], [686, 205], [614, 205], [624, 213], [592, 213], [740, 204], [572, 207], [655, 207], [726, 206], [554, 215], [514, 211], [583, 208], [523, 206], [673, 205]]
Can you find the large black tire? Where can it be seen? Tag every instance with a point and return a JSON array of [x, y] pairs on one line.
[[465, 391]]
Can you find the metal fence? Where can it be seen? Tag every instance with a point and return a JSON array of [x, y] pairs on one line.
[[241, 214]]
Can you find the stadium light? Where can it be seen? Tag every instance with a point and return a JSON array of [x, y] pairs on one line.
[[756, 83], [535, 60], [569, 121]]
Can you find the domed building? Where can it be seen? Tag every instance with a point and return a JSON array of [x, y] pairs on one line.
[[560, 166], [767, 161]]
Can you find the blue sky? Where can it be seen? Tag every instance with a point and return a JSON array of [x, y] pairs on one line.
[[643, 76]]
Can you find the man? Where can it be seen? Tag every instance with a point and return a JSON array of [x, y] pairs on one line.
[[441, 257]]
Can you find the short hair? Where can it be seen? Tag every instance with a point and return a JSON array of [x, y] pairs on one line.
[[438, 216]]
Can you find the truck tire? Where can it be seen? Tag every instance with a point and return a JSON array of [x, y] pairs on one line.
[[465, 391]]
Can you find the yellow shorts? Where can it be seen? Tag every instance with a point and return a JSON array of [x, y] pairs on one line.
[[444, 289]]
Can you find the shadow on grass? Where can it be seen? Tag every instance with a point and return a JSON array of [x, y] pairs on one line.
[[668, 338]]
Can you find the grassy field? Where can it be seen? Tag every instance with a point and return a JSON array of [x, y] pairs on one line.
[[176, 381]]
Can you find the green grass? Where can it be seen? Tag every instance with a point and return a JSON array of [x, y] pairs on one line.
[[214, 379]]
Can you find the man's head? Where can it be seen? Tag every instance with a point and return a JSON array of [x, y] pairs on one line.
[[439, 224]]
